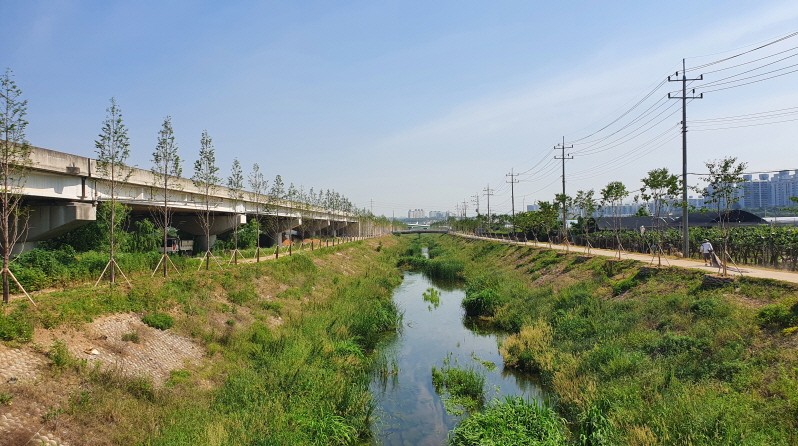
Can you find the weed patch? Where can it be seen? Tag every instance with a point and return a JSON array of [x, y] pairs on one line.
[[160, 321]]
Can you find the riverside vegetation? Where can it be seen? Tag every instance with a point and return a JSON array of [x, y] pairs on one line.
[[290, 348], [633, 355]]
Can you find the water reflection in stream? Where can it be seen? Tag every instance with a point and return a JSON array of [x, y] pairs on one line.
[[408, 409]]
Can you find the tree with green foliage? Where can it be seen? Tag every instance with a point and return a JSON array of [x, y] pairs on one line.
[[566, 207], [587, 206], [15, 164], [207, 180], [549, 212], [275, 195], [792, 209], [166, 168], [660, 189], [724, 182], [258, 185], [291, 195], [235, 188], [113, 150], [612, 196]]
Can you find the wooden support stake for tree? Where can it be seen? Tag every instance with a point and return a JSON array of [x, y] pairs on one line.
[[170, 262], [235, 252], [8, 271], [208, 256]]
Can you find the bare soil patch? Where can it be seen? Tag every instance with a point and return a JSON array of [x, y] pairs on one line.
[[28, 419]]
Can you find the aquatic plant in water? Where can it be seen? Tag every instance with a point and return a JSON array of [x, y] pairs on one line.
[[432, 296]]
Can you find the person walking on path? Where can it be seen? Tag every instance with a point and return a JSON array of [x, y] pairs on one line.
[[706, 250]]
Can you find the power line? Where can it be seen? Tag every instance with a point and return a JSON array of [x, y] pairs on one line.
[[755, 60], [792, 34], [743, 126]]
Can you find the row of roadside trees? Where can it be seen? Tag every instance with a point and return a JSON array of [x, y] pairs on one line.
[[263, 200], [660, 195]]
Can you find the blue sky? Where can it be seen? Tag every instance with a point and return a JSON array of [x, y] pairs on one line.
[[410, 104]]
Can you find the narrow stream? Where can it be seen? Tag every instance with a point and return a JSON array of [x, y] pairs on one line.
[[409, 412]]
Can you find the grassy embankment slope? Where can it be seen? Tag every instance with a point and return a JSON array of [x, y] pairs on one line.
[[289, 348], [641, 356]]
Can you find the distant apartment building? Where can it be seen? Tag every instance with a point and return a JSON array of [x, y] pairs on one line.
[[439, 214], [696, 202], [532, 207], [767, 191], [416, 213], [623, 210]]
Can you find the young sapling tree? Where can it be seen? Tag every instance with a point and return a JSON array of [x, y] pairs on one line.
[[587, 206], [660, 189], [258, 185], [15, 163], [275, 195], [612, 196], [235, 188], [206, 179], [166, 169], [113, 150], [722, 191]]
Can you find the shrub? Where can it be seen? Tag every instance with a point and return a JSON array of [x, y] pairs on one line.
[[623, 286], [672, 344], [131, 337], [240, 297], [465, 387], [530, 349], [60, 355], [160, 321], [484, 302], [271, 305], [511, 422], [777, 315], [14, 328], [709, 307], [446, 269], [411, 262], [5, 398]]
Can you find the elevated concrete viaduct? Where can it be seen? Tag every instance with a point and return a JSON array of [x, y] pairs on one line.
[[62, 191]]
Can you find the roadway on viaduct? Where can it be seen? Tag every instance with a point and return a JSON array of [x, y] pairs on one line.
[[62, 190]]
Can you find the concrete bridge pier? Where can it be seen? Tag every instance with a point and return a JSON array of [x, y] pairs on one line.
[[46, 222], [284, 226], [334, 229], [220, 224]]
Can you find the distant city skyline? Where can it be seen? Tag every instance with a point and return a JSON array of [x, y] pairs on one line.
[[411, 105]]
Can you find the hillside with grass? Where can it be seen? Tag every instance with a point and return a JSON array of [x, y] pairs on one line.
[[278, 352], [633, 354]]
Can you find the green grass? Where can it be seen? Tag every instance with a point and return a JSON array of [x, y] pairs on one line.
[[511, 422], [641, 358], [160, 321], [304, 381], [432, 296], [459, 387]]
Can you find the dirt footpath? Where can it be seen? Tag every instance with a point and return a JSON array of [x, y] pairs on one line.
[[786, 276]]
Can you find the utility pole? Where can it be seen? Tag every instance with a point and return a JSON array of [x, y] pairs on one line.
[[488, 191], [684, 98], [465, 208], [476, 202], [563, 158], [512, 192]]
